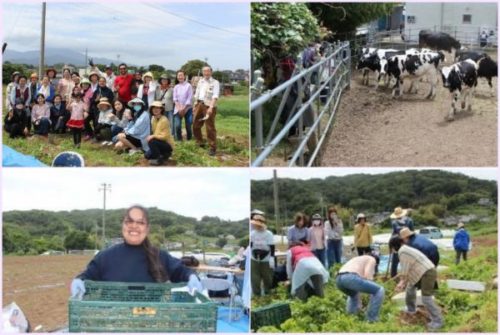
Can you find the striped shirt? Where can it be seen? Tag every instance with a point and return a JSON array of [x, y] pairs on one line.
[[413, 264]]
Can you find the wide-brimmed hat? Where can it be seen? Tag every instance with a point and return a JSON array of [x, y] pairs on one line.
[[259, 220], [108, 67], [257, 212], [399, 213], [406, 232], [148, 74], [104, 101], [156, 104], [461, 225], [94, 73], [135, 101], [360, 216], [85, 81]]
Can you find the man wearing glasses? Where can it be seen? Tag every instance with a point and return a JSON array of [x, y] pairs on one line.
[[123, 83]]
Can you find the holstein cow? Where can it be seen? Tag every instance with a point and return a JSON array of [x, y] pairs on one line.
[[375, 60], [438, 41], [460, 79], [414, 67], [487, 67]]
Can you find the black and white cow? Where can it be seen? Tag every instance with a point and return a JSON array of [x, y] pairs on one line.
[[374, 60], [460, 79], [487, 67], [415, 66], [438, 41]]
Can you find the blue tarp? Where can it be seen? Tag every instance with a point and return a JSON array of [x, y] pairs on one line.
[[12, 158], [237, 326]]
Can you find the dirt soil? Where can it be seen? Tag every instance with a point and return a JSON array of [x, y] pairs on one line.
[[372, 129], [40, 285]]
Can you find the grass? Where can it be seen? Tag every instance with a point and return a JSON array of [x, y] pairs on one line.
[[462, 311], [232, 124]]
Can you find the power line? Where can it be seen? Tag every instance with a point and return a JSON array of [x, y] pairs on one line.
[[195, 21]]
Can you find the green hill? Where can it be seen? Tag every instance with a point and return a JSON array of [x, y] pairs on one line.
[[35, 231]]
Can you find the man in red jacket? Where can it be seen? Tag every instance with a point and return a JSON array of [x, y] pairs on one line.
[[123, 83]]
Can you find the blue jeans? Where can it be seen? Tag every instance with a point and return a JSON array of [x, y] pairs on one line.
[[170, 117], [43, 127], [188, 119], [352, 285], [320, 254], [334, 252]]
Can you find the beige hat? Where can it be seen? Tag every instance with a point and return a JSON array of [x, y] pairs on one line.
[[103, 101], [399, 213], [405, 233], [94, 73], [360, 216], [461, 225], [259, 220], [156, 104], [148, 74]]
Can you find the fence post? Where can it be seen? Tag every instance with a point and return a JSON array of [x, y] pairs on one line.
[[349, 66], [259, 128]]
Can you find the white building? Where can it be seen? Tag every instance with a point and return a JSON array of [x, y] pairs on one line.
[[463, 21]]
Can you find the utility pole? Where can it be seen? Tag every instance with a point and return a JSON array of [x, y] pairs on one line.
[[104, 188], [276, 204], [42, 41], [86, 58]]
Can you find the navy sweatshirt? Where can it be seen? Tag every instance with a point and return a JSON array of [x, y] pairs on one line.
[[128, 263]]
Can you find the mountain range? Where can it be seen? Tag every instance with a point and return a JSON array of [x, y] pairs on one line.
[[52, 56]]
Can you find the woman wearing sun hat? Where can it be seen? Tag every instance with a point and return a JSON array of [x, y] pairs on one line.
[[362, 235], [399, 220], [104, 121], [161, 142], [135, 136], [147, 90], [262, 256]]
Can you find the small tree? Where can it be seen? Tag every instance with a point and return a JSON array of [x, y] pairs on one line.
[[221, 242], [77, 239], [193, 67]]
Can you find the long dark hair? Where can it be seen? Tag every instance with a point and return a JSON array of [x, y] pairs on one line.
[[155, 266], [330, 211]]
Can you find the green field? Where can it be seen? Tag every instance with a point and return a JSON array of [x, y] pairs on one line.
[[232, 140]]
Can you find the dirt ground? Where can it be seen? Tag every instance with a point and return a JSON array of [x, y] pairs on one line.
[[40, 285], [372, 129]]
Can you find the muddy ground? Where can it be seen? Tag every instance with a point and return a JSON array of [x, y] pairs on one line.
[[372, 129]]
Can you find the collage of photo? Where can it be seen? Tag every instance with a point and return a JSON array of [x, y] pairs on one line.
[[249, 167]]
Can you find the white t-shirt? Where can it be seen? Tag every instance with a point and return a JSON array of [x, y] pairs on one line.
[[262, 240]]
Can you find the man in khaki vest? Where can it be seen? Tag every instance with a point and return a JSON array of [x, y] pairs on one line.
[[205, 109]]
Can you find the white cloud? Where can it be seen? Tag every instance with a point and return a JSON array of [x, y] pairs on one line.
[[191, 192]]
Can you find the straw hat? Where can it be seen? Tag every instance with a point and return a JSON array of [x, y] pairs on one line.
[[461, 225], [399, 213], [405, 233], [85, 81], [360, 216], [103, 101], [94, 73], [156, 104], [135, 101], [148, 74]]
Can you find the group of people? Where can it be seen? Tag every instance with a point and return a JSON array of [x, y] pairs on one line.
[[315, 245], [133, 112]]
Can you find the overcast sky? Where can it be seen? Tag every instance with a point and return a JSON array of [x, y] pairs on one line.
[[168, 34], [308, 173], [193, 192]]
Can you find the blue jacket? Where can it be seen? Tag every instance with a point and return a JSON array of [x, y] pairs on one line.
[[461, 240], [425, 246], [141, 129], [128, 263], [397, 225]]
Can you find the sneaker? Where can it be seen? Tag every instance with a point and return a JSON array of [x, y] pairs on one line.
[[104, 143], [154, 162], [86, 138], [134, 151], [110, 143], [434, 325], [211, 152]]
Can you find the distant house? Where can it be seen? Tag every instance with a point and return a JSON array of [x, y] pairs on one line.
[[230, 247], [464, 21], [485, 202], [173, 245]]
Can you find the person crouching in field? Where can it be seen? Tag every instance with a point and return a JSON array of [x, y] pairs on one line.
[[104, 123], [308, 276], [262, 256], [79, 112], [120, 119], [205, 109], [161, 143], [362, 235], [317, 238], [58, 115], [135, 260], [16, 121], [461, 242], [417, 270], [134, 136], [356, 277], [40, 116]]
